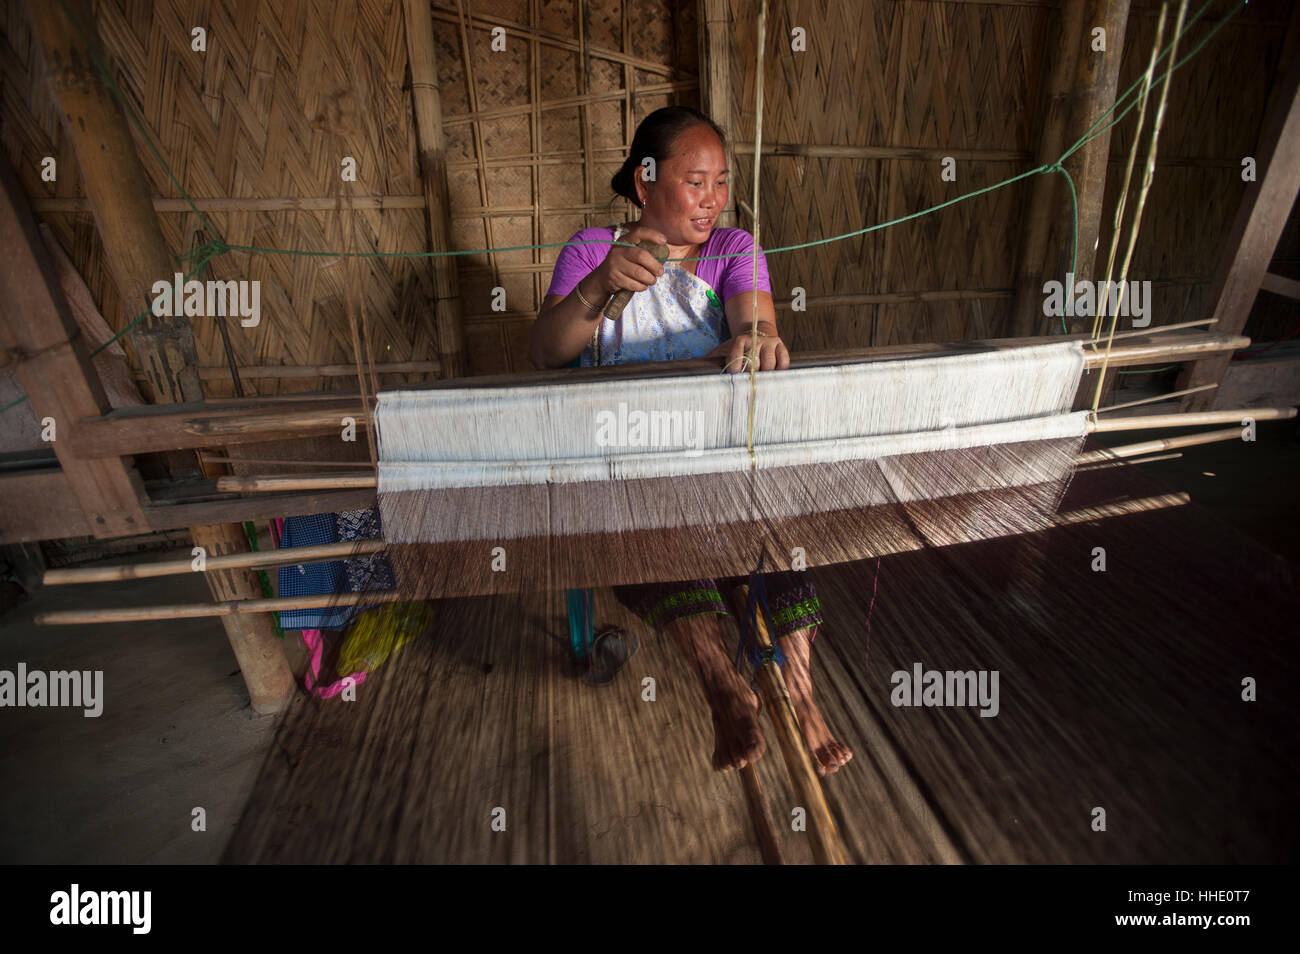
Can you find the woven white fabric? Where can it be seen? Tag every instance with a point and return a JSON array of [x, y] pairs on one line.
[[620, 429]]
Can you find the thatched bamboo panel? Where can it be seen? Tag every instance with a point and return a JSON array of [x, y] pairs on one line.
[[534, 132], [940, 77], [856, 127], [1198, 184], [283, 92]]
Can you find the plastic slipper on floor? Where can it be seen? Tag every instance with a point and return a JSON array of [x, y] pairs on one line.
[[610, 651]]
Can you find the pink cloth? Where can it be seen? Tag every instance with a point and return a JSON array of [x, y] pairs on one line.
[[726, 276], [315, 645]]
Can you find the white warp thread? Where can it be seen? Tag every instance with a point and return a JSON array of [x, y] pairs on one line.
[[548, 434]]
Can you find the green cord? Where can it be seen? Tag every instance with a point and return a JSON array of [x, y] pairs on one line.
[[251, 530]]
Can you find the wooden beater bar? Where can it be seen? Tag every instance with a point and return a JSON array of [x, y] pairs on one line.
[[1132, 423], [826, 846]]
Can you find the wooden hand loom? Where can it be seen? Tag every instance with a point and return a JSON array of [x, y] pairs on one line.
[[184, 426]]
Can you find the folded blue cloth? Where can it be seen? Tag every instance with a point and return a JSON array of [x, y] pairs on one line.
[[334, 576]]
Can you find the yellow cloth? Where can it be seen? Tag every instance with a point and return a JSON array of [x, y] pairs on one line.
[[377, 633]]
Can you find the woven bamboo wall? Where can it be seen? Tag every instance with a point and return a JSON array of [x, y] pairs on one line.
[[944, 79], [260, 121], [914, 82], [1212, 121], [264, 117], [534, 133]]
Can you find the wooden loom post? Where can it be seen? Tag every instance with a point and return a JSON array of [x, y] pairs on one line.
[[1027, 312], [1261, 217], [121, 198], [713, 33], [426, 100], [826, 845], [55, 370], [1096, 78]]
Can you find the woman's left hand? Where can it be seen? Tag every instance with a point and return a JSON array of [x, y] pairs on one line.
[[773, 355]]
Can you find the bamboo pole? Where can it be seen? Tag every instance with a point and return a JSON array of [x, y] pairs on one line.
[[1096, 81], [769, 846], [135, 614], [287, 372], [1160, 329], [289, 203], [826, 846], [1158, 444], [296, 482], [426, 102], [1155, 399], [208, 459], [286, 556], [1026, 314], [1192, 419], [713, 29]]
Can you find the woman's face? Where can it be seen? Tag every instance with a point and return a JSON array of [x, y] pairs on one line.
[[689, 190]]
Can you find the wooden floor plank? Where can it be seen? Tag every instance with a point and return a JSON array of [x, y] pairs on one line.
[[1118, 689]]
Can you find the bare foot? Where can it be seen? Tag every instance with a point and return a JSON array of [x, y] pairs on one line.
[[738, 739], [828, 753]]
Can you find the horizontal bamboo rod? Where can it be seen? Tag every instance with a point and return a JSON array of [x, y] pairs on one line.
[[1137, 505], [280, 203], [1191, 418], [266, 484], [287, 372], [285, 556], [1157, 399], [135, 614], [1159, 329], [281, 460], [831, 151], [1158, 444]]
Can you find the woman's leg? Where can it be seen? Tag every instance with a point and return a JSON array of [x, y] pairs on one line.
[[691, 613], [796, 616]]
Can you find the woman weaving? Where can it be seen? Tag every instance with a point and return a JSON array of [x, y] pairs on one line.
[[684, 310]]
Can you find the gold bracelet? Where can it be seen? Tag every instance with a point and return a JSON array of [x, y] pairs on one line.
[[577, 290]]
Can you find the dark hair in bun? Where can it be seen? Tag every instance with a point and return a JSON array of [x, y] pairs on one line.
[[654, 138]]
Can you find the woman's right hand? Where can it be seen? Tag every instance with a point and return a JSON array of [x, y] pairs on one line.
[[631, 269]]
